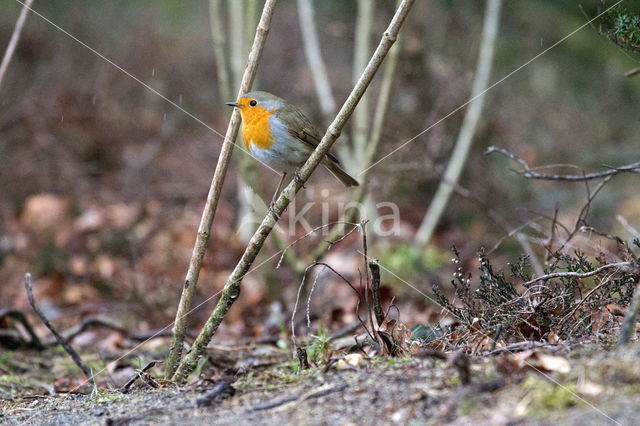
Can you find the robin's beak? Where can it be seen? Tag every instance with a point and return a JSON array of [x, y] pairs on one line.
[[233, 104]]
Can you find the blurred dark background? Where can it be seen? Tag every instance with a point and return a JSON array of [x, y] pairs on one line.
[[102, 182]]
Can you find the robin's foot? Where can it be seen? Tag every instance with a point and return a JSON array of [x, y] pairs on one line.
[[272, 209], [298, 179]]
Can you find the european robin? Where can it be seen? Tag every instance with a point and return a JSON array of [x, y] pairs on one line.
[[281, 136]]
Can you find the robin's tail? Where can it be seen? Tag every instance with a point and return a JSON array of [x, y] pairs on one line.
[[339, 173]]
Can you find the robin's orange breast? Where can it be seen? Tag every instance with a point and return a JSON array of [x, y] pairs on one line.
[[256, 128]]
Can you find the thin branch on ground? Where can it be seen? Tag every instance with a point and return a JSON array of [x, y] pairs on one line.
[[67, 347], [231, 289], [532, 173], [204, 229], [469, 125], [22, 319], [137, 375], [616, 265], [314, 393], [15, 37], [632, 72]]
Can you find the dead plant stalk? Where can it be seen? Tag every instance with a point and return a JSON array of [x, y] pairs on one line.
[[231, 289], [202, 238]]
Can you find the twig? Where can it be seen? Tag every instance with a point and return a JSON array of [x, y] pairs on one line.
[[204, 229], [625, 224], [67, 347], [577, 306], [469, 125], [375, 288], [314, 58], [137, 375], [504, 224], [22, 319], [315, 393], [521, 346], [348, 329], [584, 212], [90, 322], [313, 287], [330, 241], [15, 37], [530, 173], [579, 274], [344, 279], [220, 391], [231, 289], [632, 72]]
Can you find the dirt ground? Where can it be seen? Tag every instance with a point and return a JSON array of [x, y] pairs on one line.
[[590, 387]]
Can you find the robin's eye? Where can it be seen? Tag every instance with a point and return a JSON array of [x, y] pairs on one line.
[[253, 102]]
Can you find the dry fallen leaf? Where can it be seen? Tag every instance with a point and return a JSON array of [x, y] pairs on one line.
[[553, 363], [350, 361], [590, 388]]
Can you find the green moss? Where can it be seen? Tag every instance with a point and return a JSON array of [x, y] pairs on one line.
[[547, 397], [319, 347]]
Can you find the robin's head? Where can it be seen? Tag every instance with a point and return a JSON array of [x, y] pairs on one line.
[[257, 103]]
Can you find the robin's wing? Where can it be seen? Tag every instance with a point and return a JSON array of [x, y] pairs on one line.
[[301, 128]]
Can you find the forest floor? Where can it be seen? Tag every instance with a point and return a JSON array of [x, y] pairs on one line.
[[583, 384]]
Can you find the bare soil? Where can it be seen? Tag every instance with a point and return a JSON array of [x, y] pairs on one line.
[[599, 388]]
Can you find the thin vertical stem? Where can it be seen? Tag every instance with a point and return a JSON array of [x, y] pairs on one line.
[[314, 58], [204, 229], [469, 125], [219, 38], [362, 47], [15, 37]]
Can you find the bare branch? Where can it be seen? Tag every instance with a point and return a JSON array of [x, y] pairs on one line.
[[617, 265], [531, 173], [15, 37], [202, 238], [67, 347], [632, 72], [231, 289]]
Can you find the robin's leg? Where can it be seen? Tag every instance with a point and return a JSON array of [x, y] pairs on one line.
[[272, 205], [298, 179]]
